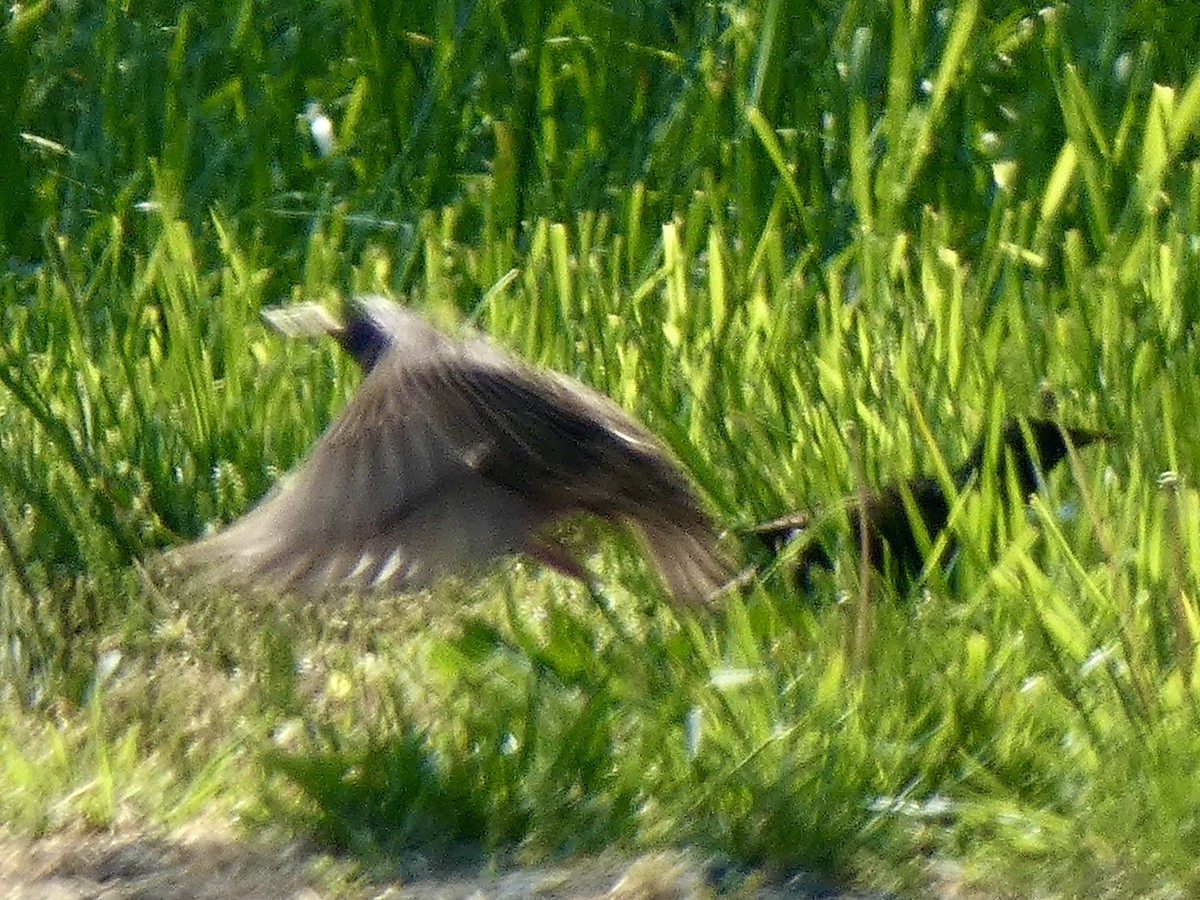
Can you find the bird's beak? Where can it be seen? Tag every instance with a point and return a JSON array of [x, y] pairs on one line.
[[301, 320]]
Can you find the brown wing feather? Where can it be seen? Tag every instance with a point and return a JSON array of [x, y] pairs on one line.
[[556, 437], [385, 498], [570, 448]]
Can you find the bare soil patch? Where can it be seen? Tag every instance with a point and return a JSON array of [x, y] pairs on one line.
[[207, 864]]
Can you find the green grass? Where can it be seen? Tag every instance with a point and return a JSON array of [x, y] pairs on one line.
[[806, 244]]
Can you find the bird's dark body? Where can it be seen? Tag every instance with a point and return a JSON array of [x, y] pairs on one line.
[[892, 543]]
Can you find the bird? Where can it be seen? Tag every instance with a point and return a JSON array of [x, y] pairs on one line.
[[453, 453], [889, 529]]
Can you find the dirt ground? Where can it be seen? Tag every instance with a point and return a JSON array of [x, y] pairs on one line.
[[209, 865]]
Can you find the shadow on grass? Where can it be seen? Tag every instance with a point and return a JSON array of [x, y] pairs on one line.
[[388, 796]]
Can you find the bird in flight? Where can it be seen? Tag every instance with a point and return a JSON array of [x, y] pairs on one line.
[[451, 454], [890, 532]]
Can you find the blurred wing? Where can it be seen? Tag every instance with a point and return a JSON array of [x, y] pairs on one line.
[[572, 449], [554, 437], [387, 498]]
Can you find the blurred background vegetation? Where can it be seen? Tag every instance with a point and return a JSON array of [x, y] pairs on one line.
[[808, 243]]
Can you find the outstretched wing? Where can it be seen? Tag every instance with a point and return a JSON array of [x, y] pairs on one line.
[[449, 455], [569, 448], [387, 498]]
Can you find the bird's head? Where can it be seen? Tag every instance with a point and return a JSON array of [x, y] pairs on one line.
[[371, 325]]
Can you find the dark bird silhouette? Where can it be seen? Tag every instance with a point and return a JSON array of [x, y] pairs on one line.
[[453, 453], [889, 529]]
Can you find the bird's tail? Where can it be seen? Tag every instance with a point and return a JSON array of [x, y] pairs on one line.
[[689, 559]]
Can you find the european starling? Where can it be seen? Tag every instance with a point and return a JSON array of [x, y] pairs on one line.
[[888, 526], [451, 454]]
